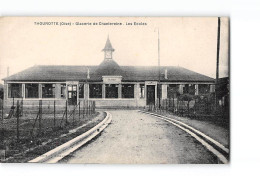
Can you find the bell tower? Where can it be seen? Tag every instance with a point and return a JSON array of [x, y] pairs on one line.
[[108, 50]]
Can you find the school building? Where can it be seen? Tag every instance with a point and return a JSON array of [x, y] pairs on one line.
[[108, 83]]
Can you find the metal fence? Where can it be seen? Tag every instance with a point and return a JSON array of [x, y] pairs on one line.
[[192, 106], [22, 126]]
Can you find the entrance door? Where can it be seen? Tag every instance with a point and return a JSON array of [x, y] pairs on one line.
[[150, 98], [72, 94]]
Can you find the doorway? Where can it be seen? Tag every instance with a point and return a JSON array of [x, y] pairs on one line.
[[72, 94], [150, 95]]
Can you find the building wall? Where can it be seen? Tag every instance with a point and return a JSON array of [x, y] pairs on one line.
[[102, 102]]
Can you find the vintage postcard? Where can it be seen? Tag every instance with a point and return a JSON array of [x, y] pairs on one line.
[[114, 90]]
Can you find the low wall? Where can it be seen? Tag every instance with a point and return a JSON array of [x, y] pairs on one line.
[[60, 103], [120, 103]]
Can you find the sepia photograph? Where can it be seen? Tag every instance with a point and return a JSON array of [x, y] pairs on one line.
[[115, 90]]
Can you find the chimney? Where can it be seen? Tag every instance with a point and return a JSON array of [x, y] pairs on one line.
[[165, 74], [88, 77]]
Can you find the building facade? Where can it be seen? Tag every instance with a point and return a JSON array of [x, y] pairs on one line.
[[109, 84]]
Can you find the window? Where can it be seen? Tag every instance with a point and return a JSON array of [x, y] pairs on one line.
[[192, 89], [81, 90], [128, 91], [185, 88], [14, 90], [95, 91], [172, 90], [141, 92], [31, 90], [111, 90], [189, 89], [204, 88], [159, 91], [48, 90], [63, 90]]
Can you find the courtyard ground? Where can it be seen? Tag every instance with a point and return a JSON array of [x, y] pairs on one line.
[[137, 138]]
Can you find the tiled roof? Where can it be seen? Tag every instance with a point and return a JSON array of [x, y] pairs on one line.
[[128, 73]]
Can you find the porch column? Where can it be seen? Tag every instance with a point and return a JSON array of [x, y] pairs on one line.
[[77, 92], [137, 91], [119, 90], [86, 91], [164, 91], [181, 88], [212, 88], [196, 89], [66, 92], [40, 91], [57, 90], [103, 91], [156, 89], [23, 90], [145, 93]]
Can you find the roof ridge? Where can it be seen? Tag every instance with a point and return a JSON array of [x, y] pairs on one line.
[[67, 65]]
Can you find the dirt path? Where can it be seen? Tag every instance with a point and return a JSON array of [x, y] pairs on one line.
[[136, 138]]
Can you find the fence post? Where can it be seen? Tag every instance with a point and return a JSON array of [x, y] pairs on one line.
[[3, 124], [21, 107], [40, 117], [173, 104], [89, 110], [166, 101], [17, 122], [177, 106], [3, 111], [94, 106], [207, 105], [73, 114], [188, 108], [83, 109], [66, 111], [90, 107], [195, 106], [54, 113], [79, 110]]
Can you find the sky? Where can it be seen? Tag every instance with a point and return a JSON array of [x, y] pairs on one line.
[[189, 42]]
